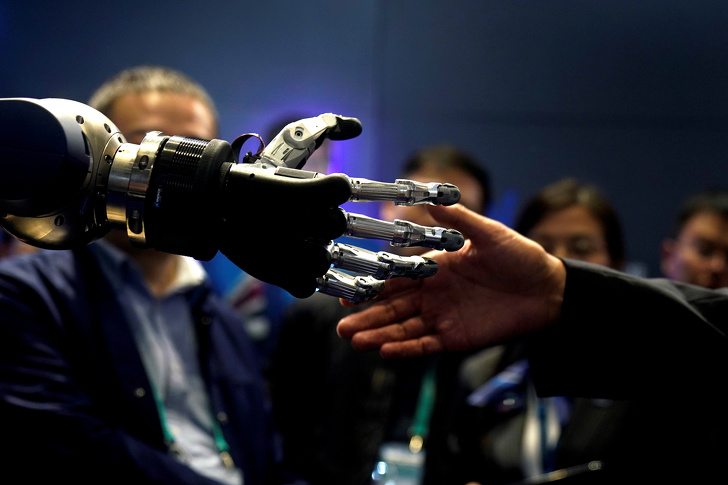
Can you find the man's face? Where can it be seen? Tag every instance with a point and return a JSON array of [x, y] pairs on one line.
[[136, 114], [573, 233], [471, 196], [699, 254]]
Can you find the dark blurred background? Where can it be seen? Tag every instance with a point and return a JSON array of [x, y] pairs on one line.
[[631, 95]]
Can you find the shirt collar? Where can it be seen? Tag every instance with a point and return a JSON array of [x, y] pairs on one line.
[[121, 269]]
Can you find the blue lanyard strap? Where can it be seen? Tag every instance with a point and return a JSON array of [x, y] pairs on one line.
[[220, 442], [423, 411]]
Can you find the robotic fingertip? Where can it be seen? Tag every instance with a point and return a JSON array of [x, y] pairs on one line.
[[448, 194], [452, 240]]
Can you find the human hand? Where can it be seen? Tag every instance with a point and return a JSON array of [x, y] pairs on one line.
[[499, 285]]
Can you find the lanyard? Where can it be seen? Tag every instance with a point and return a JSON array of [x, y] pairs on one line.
[[423, 411], [171, 443]]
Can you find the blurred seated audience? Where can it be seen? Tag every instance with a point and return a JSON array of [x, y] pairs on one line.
[[342, 412]]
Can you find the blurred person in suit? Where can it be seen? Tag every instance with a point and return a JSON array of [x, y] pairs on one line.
[[119, 363], [337, 409]]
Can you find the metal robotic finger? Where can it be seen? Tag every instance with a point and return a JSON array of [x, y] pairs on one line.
[[287, 153], [356, 289], [402, 233], [298, 140], [376, 267], [404, 192], [380, 265]]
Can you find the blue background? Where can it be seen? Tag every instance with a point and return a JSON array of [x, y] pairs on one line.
[[629, 94]]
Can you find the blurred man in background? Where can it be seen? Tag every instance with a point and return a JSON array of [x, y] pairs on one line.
[[698, 252], [119, 364]]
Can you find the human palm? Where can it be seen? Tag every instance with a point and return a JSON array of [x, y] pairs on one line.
[[499, 285]]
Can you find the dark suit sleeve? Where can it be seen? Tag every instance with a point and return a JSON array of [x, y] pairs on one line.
[[622, 337], [51, 429]]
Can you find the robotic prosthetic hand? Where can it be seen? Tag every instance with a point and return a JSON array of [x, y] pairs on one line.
[[356, 274], [69, 177]]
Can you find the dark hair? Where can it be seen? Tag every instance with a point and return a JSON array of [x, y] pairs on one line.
[[569, 192], [444, 157], [142, 79], [714, 200]]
